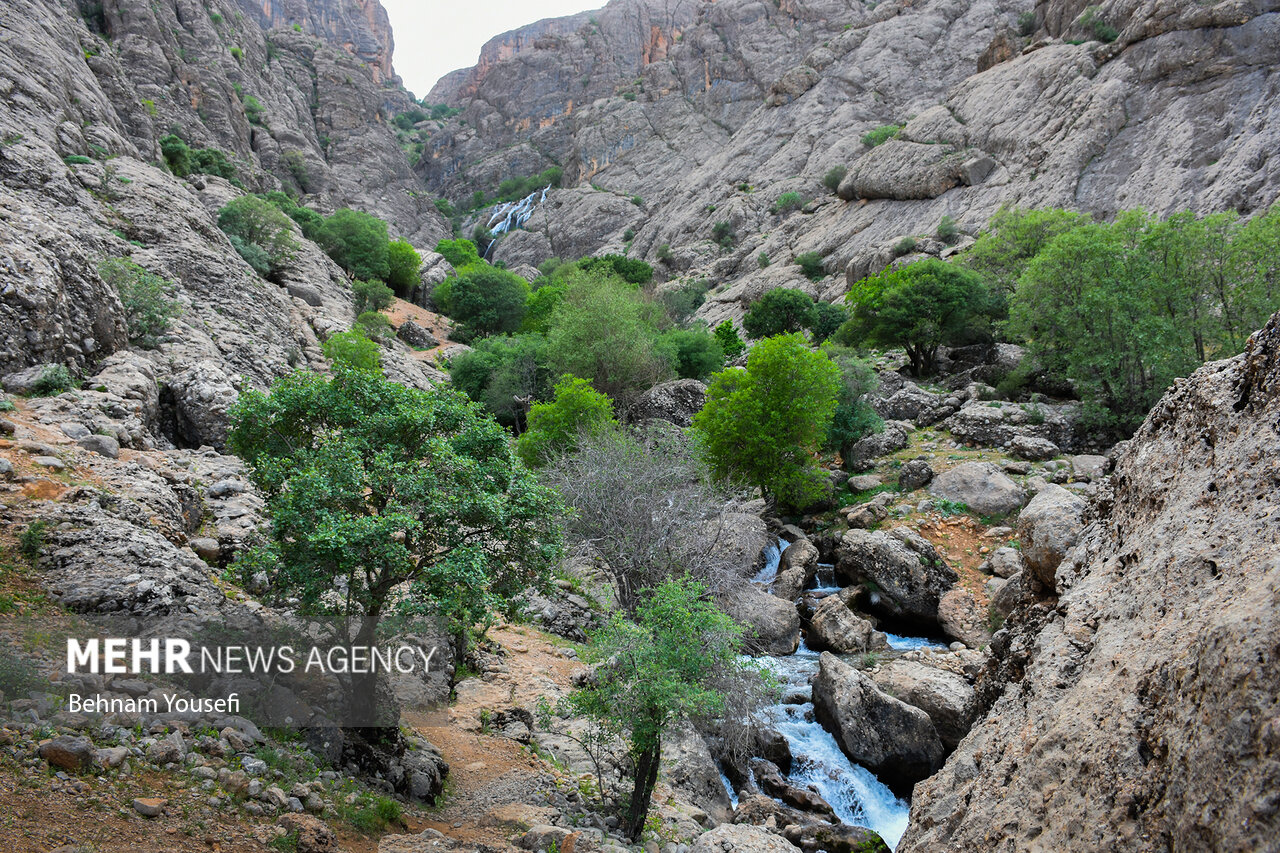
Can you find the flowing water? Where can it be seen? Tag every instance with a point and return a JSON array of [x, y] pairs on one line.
[[856, 795]]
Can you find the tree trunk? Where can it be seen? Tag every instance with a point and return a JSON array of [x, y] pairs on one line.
[[646, 779]]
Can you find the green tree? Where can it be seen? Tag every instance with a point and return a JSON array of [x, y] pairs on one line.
[[403, 265], [177, 155], [831, 180], [631, 270], [603, 330], [372, 296], [353, 349], [765, 423], [554, 427], [827, 318], [260, 223], [504, 373], [357, 242], [376, 326], [488, 301], [1013, 237], [406, 500], [459, 253], [145, 297], [780, 311], [854, 418], [730, 341], [920, 307], [541, 308], [692, 353], [678, 660]]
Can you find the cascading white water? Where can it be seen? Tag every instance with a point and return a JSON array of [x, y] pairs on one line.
[[908, 644], [514, 214], [856, 795], [772, 559]]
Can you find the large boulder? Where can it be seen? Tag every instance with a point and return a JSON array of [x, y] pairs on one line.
[[796, 568], [906, 575], [980, 486], [835, 628], [773, 625], [863, 454], [998, 423], [741, 838], [1048, 528], [894, 740], [904, 170], [676, 401], [945, 696], [915, 474], [961, 619], [737, 538], [687, 766]]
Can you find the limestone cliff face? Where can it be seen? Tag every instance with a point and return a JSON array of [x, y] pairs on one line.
[[1141, 708], [86, 99], [359, 26], [710, 111]]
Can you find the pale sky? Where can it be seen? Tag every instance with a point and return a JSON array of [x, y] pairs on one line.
[[434, 37]]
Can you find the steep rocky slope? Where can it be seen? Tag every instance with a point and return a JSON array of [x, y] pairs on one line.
[[86, 99], [1140, 710], [710, 111]]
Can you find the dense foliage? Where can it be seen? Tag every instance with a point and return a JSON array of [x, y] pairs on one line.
[[145, 297], [554, 428], [409, 501], [766, 422], [260, 232], [780, 311], [357, 242]]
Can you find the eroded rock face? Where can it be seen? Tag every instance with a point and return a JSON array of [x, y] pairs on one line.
[[1154, 676], [772, 624], [1049, 527], [834, 627], [894, 740], [946, 697], [676, 401]]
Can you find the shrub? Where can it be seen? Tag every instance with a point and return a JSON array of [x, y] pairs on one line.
[[357, 242], [683, 301], [403, 265], [854, 418], [788, 202], [762, 260], [211, 161], [766, 422], [145, 297], [372, 295], [628, 235], [260, 223], [780, 311], [486, 301], [948, 230], [237, 54], [831, 180], [1012, 238], [31, 540], [459, 253], [354, 350], [631, 270], [375, 325], [920, 307], [905, 246], [296, 163], [881, 134], [692, 353], [723, 235], [77, 160], [253, 110], [53, 380], [177, 155], [826, 319], [253, 255], [810, 264], [730, 342], [1092, 21], [540, 308], [501, 371], [664, 253], [1027, 23], [554, 427]]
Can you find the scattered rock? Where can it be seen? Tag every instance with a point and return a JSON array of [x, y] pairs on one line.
[[103, 445], [1086, 467], [416, 336], [676, 401], [1032, 448], [1005, 562], [149, 806], [53, 463], [909, 575], [980, 486], [863, 482], [915, 474], [314, 836], [739, 838], [1048, 527], [863, 454], [69, 753]]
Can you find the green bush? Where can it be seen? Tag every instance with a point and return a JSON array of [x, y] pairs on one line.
[[31, 540], [948, 230], [692, 353], [354, 350], [854, 419], [767, 422], [357, 242], [459, 253], [1013, 238], [259, 223], [541, 307], [253, 255], [53, 380], [664, 253], [762, 260], [905, 246], [502, 368], [811, 265], [831, 180], [237, 54], [825, 320], [788, 202], [253, 110], [374, 325], [145, 296], [372, 295], [211, 161], [683, 301], [77, 160], [177, 155], [631, 270], [779, 311], [1092, 21], [554, 427], [1027, 23], [487, 301], [723, 235], [730, 342], [920, 307], [403, 265], [881, 134]]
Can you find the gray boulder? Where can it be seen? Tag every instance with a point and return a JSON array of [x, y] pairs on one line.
[[772, 624], [904, 170], [24, 381], [1005, 562], [945, 696], [103, 445], [1089, 467], [980, 486], [894, 740], [862, 455], [1048, 527], [915, 474], [961, 619], [676, 401], [416, 336], [69, 753], [908, 575], [740, 838], [1032, 448], [835, 628], [796, 568]]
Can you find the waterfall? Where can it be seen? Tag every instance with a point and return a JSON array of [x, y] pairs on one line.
[[772, 559], [514, 214]]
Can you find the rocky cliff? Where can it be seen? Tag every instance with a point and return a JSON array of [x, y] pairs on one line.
[[87, 97], [668, 117], [1137, 700], [361, 26]]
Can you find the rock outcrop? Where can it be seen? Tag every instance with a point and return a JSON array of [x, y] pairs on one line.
[[906, 576], [1154, 676]]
